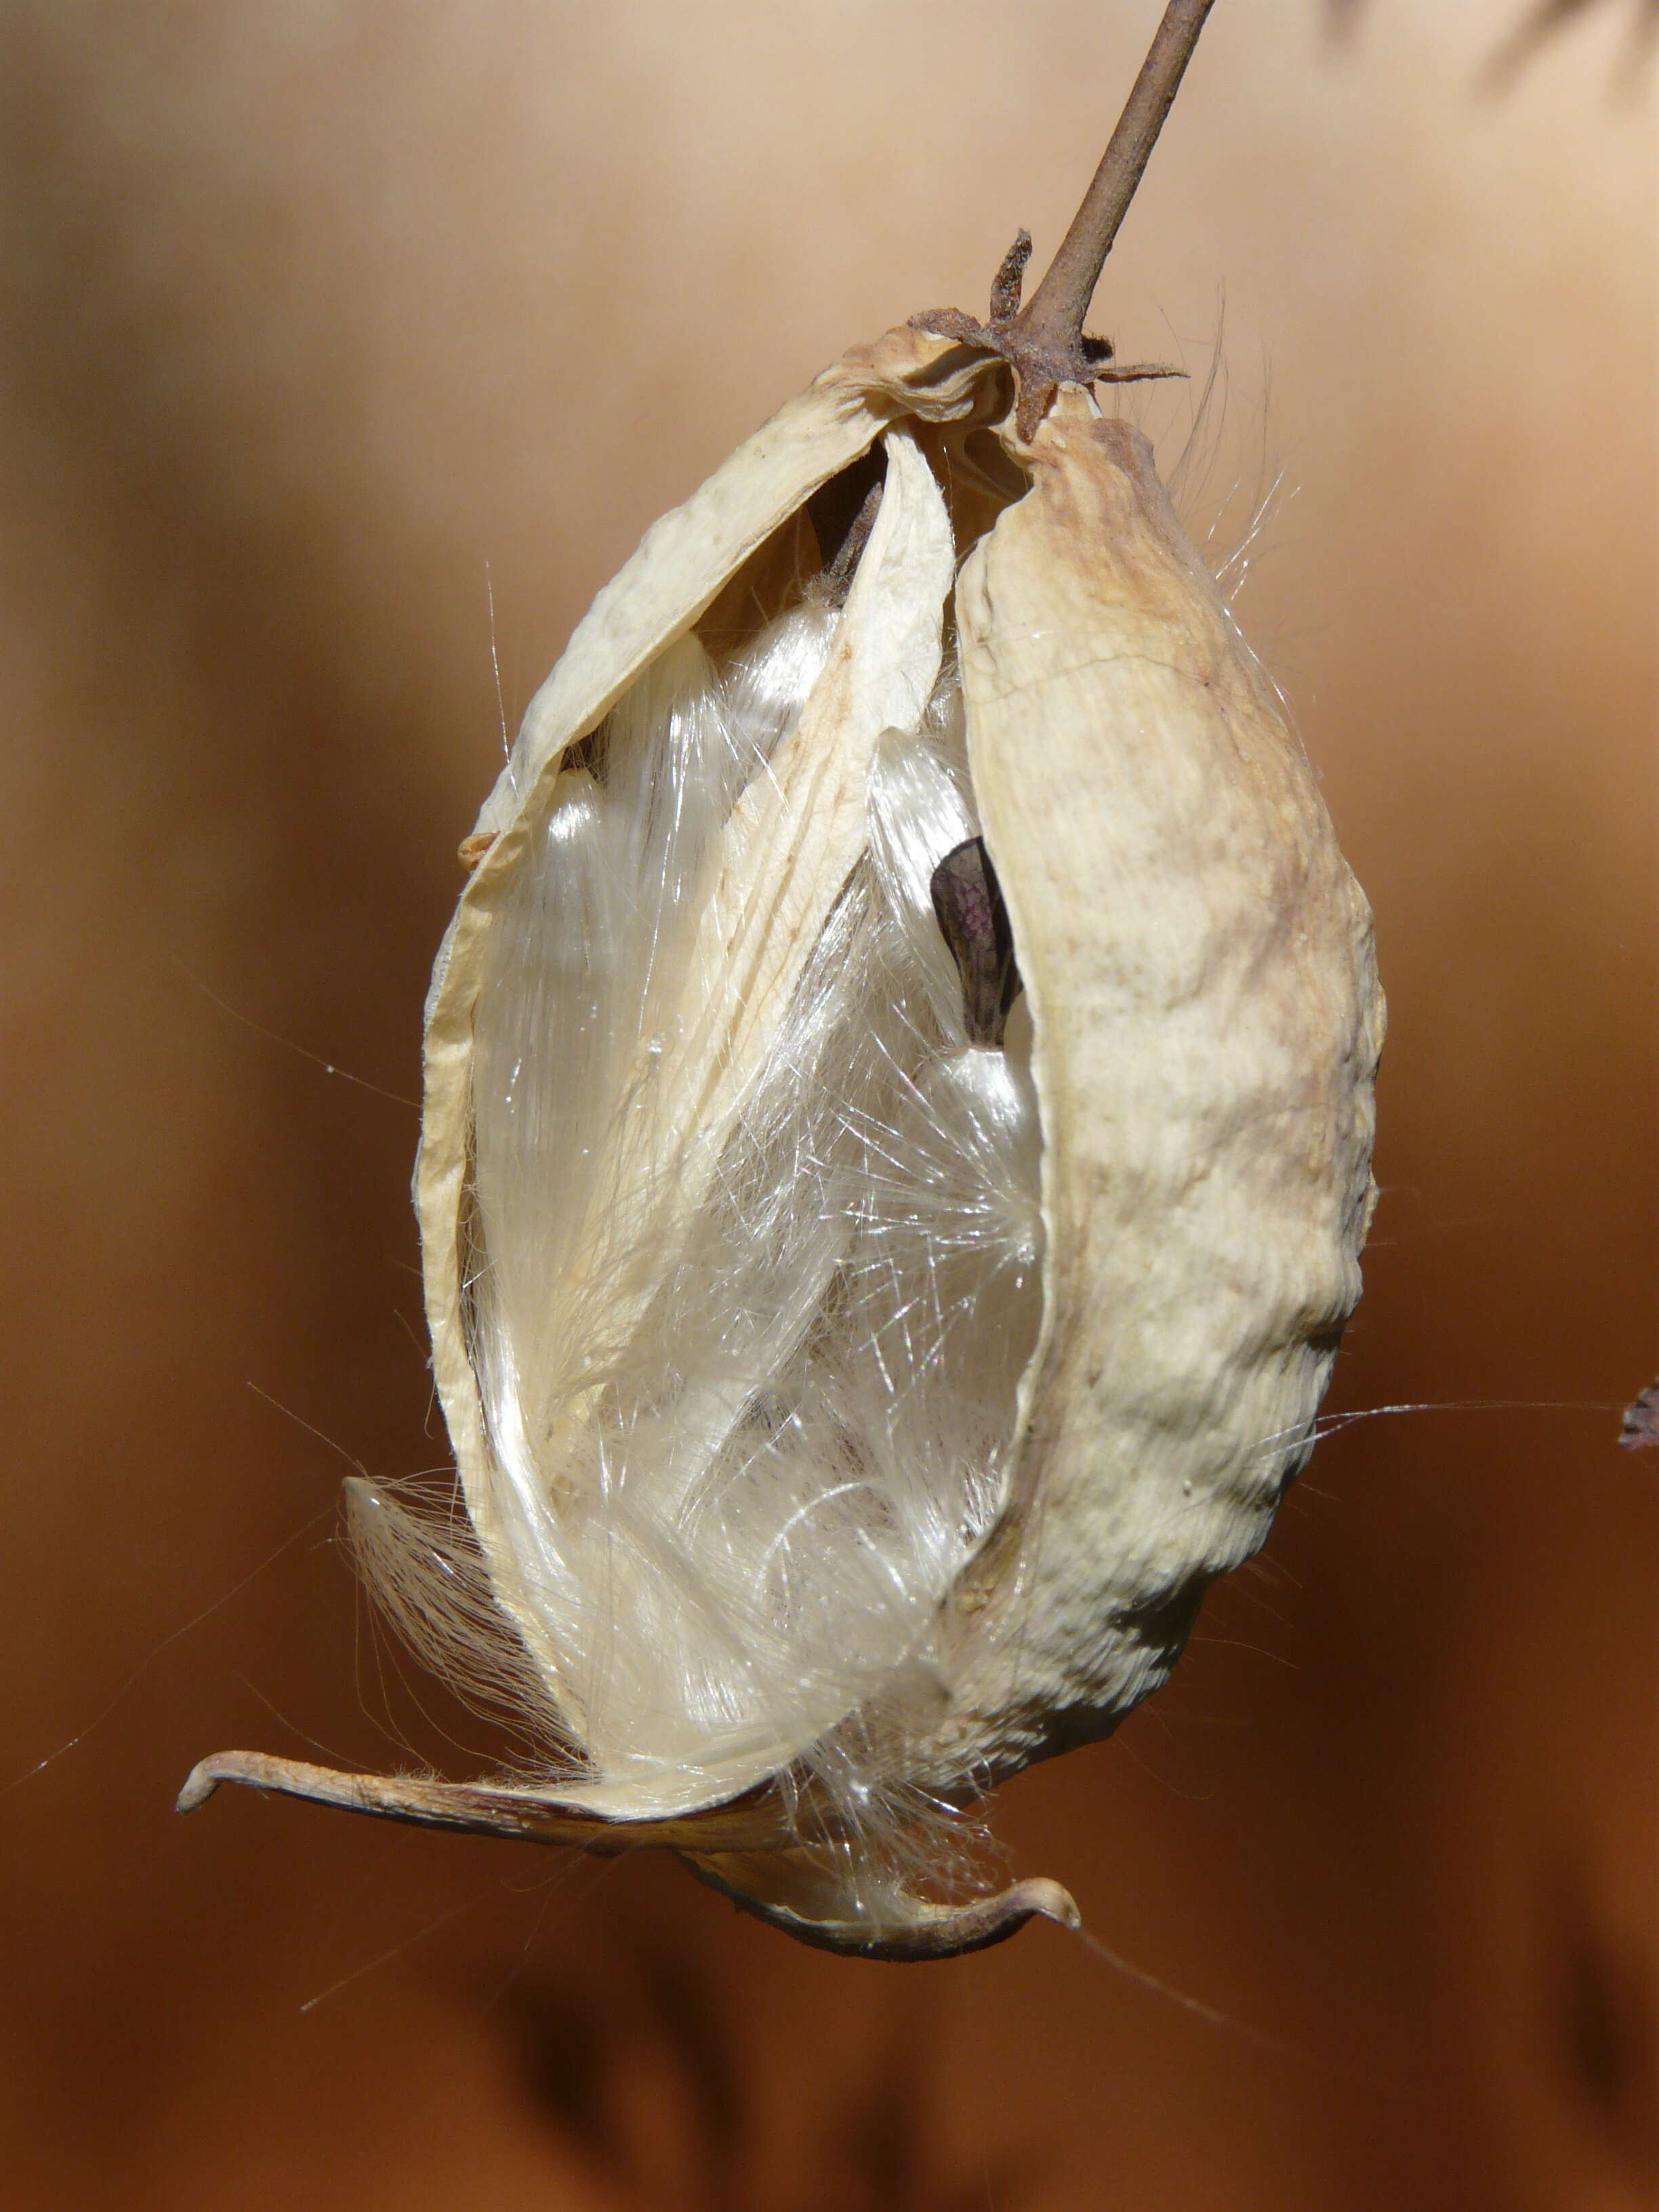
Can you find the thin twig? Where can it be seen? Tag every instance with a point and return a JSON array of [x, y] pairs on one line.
[[1043, 342], [1054, 315]]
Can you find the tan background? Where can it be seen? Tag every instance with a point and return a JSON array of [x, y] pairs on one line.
[[327, 322]]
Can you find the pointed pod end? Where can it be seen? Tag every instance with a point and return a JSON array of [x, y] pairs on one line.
[[204, 1778], [799, 1892], [1042, 1899], [932, 1931]]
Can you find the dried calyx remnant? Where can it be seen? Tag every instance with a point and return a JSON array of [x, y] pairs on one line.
[[897, 1144]]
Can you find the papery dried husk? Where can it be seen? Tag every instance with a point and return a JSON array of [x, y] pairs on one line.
[[1204, 1023], [1207, 1020]]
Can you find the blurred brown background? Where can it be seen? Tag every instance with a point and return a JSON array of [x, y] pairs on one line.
[[330, 323]]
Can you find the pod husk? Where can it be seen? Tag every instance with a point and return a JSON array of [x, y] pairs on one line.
[[1206, 1024]]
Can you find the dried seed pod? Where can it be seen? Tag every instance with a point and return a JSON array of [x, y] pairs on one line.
[[857, 1370]]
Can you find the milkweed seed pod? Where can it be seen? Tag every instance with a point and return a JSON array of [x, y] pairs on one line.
[[896, 1154]]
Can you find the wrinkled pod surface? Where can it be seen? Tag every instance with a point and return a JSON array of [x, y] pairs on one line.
[[895, 1160]]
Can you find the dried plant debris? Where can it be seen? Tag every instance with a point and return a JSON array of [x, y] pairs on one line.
[[1640, 1429], [895, 1151]]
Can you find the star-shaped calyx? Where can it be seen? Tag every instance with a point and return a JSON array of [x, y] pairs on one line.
[[1042, 356]]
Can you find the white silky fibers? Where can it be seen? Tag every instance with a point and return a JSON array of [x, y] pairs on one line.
[[748, 1395]]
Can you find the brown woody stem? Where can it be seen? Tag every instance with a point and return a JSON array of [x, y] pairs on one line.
[[1054, 315]]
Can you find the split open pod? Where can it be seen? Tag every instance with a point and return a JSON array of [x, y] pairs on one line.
[[896, 1154]]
